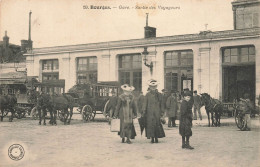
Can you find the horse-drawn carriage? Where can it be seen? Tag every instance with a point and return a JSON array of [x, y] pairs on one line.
[[16, 104], [91, 99]]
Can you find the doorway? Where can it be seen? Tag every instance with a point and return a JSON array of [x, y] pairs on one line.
[[238, 80]]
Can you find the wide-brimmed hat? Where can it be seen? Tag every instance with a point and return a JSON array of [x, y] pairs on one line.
[[152, 82], [126, 87]]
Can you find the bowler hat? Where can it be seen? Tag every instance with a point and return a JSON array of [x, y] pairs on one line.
[[187, 94]]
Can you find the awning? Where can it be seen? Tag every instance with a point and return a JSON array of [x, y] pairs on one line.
[[12, 81], [53, 83]]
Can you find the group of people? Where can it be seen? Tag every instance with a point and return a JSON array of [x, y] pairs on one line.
[[152, 108]]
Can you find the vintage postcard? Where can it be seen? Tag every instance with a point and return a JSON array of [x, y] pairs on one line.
[[129, 83]]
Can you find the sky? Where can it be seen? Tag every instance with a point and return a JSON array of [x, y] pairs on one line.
[[68, 22]]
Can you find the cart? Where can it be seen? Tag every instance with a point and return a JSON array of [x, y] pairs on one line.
[[91, 99]]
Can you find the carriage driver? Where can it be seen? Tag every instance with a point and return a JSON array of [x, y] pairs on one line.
[[246, 106]]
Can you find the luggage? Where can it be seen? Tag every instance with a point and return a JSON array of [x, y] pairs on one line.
[[115, 125]]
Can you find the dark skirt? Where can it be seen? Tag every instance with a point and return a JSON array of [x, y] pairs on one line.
[[185, 127], [156, 132], [127, 130]]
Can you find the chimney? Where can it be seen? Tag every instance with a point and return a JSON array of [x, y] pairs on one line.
[[30, 42], [149, 32], [5, 40]]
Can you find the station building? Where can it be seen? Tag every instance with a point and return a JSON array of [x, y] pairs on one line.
[[225, 64]]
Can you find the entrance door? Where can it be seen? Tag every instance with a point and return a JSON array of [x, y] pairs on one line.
[[239, 80]]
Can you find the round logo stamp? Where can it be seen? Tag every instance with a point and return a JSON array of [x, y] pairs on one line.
[[16, 152]]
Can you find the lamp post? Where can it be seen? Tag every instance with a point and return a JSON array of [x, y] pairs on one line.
[[145, 53]]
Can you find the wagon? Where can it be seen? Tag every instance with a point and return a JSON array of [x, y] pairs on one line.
[[91, 99]]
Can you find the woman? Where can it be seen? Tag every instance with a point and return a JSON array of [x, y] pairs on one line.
[[153, 111], [186, 121], [126, 110]]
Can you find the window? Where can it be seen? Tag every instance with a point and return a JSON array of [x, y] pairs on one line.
[[87, 70], [130, 70], [178, 68], [50, 65], [247, 17], [50, 76], [239, 54]]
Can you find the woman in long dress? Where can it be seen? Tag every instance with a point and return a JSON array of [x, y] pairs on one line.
[[153, 111], [126, 110]]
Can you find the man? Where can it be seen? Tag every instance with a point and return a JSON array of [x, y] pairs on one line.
[[112, 105], [165, 96], [246, 107], [172, 107], [196, 105], [153, 111]]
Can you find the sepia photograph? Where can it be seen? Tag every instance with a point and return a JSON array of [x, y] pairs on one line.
[[130, 83]]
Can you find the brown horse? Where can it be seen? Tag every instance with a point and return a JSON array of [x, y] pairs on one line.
[[7, 103], [63, 103], [213, 107], [52, 103]]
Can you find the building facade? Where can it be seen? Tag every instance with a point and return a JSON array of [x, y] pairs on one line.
[[224, 64]]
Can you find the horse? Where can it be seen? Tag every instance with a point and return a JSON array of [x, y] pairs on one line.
[[213, 107], [7, 103], [65, 104]]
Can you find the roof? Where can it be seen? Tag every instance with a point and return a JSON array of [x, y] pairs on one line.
[[200, 37], [245, 2], [10, 44]]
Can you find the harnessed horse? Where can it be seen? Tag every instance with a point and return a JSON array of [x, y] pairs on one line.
[[7, 103], [213, 107], [52, 103]]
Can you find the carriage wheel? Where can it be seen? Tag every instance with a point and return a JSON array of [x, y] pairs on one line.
[[86, 113], [20, 114], [240, 120], [92, 115], [34, 113], [62, 115]]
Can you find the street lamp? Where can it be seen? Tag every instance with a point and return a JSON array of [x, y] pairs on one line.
[[145, 59]]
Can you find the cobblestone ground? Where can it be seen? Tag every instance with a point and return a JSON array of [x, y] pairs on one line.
[[92, 144]]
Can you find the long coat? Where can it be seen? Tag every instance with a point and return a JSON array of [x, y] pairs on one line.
[[185, 119], [172, 106], [153, 111], [140, 101], [126, 110]]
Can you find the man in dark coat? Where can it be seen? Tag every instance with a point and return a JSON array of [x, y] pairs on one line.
[[165, 96], [112, 104], [153, 111], [186, 120], [172, 107]]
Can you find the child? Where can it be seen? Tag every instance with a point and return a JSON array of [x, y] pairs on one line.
[[186, 121]]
